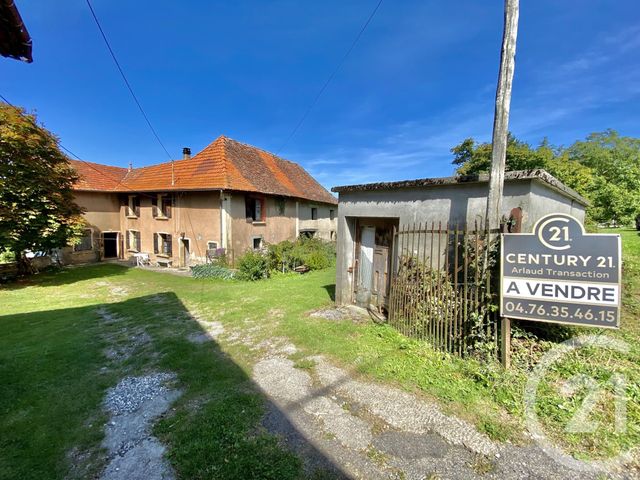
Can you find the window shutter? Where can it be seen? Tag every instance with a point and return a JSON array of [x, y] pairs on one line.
[[136, 205], [263, 210], [167, 212], [169, 246], [247, 208], [138, 246], [128, 240], [155, 243], [154, 206]]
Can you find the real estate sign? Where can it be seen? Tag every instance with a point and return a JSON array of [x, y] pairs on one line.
[[561, 274]]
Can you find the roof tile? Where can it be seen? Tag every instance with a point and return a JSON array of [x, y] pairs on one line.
[[224, 164]]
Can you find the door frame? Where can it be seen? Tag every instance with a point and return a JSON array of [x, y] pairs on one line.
[[118, 236], [182, 261]]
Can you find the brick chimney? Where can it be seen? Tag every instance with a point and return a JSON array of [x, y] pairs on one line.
[[186, 153]]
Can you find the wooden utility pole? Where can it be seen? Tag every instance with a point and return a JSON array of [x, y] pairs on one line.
[[499, 144], [501, 117]]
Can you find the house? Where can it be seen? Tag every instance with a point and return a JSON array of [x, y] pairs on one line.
[[369, 214], [228, 198]]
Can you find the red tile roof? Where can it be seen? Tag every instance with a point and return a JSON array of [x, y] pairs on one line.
[[224, 164], [97, 177]]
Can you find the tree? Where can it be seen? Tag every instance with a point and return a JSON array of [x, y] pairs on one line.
[[604, 168], [615, 162], [37, 208], [473, 158]]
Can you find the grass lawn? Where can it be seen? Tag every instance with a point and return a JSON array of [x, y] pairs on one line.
[[53, 380]]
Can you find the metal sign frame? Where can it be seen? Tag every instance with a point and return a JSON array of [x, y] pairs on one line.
[[551, 249]]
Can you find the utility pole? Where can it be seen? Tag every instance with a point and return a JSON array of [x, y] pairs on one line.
[[499, 146], [501, 116]]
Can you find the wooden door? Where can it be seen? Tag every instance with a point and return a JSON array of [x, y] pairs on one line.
[[380, 288]]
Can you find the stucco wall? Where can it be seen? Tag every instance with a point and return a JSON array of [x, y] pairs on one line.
[[197, 215], [102, 214], [102, 209], [194, 214], [456, 204], [323, 226], [276, 227], [544, 198], [451, 203]]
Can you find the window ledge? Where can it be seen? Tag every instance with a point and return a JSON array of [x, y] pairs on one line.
[[132, 216], [131, 250], [259, 223], [161, 218], [162, 255]]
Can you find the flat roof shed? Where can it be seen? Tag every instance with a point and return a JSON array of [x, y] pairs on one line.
[[367, 213]]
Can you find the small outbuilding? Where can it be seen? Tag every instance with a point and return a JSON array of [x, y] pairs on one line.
[[370, 214]]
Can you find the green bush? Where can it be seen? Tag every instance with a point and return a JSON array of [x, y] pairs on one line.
[[6, 256], [212, 270], [312, 252], [253, 265]]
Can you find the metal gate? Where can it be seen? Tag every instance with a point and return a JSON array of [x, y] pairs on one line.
[[442, 289]]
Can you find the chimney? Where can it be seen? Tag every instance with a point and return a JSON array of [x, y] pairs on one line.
[[186, 153]]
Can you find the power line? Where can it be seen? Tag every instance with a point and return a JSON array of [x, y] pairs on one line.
[[88, 164], [328, 81], [124, 77]]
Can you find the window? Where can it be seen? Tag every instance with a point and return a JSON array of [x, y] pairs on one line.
[[133, 240], [332, 214], [307, 233], [212, 245], [280, 204], [86, 241], [162, 244], [133, 207], [161, 206], [314, 213], [255, 209], [257, 243], [333, 235]]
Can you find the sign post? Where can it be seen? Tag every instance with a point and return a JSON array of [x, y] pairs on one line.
[[560, 274]]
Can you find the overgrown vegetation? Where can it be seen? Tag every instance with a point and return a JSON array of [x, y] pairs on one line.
[[6, 255], [285, 257], [253, 265]]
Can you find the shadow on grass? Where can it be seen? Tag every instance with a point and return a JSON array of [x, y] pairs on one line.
[[56, 276], [54, 375], [331, 290]]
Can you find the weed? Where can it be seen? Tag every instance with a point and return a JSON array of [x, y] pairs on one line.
[[482, 465]]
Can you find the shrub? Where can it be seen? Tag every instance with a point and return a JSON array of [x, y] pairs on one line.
[[212, 270], [253, 265], [6, 256], [312, 252]]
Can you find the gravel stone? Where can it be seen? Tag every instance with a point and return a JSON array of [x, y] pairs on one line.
[[134, 404], [131, 392]]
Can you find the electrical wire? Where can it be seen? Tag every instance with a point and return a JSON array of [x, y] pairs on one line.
[[330, 78], [124, 77]]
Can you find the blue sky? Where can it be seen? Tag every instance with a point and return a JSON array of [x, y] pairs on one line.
[[421, 79]]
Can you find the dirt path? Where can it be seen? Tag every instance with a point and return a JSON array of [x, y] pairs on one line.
[[366, 430], [134, 404]]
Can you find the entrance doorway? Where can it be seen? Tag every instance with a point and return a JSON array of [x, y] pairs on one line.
[[186, 252], [110, 242], [374, 238]]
